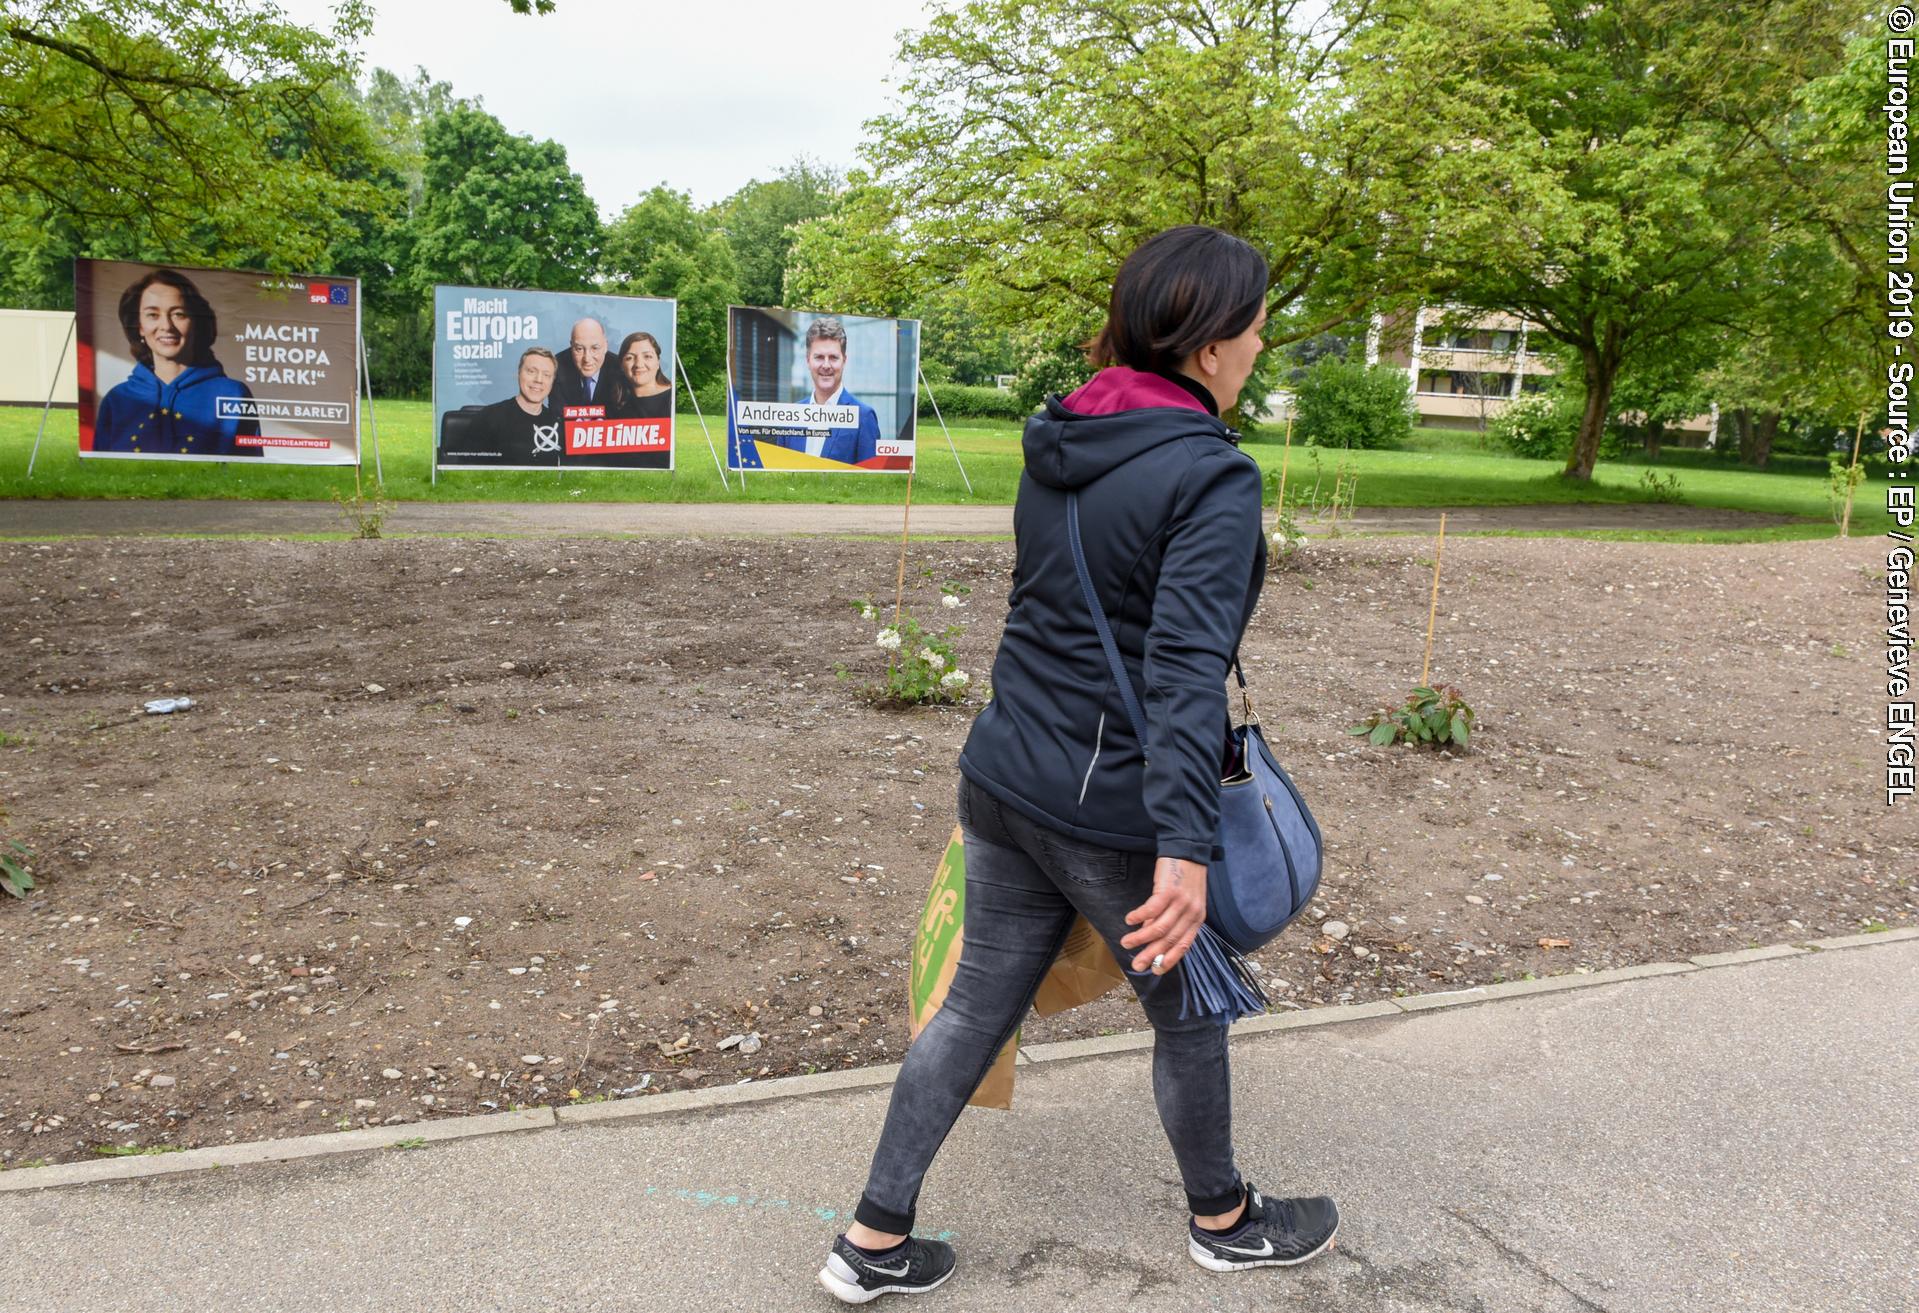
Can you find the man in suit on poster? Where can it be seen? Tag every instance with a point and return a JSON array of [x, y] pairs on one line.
[[825, 347], [585, 376]]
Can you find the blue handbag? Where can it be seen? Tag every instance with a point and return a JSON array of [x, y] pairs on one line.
[[1272, 846]]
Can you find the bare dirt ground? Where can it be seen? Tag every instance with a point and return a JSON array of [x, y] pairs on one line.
[[456, 825]]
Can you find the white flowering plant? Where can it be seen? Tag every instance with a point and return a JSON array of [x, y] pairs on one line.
[[921, 664], [1285, 541]]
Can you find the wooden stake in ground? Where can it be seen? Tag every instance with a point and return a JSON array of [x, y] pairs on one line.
[[906, 520], [1432, 613], [1279, 507], [1845, 521]]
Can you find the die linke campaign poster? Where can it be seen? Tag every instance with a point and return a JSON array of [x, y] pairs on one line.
[[552, 380], [179, 363], [822, 392]]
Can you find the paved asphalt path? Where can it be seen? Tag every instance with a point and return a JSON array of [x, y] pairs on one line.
[[1739, 1138], [26, 519]]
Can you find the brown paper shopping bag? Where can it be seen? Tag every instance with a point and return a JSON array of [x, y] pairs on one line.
[[1083, 971]]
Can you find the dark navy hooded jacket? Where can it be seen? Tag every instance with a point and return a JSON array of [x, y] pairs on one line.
[[179, 418], [1171, 522]]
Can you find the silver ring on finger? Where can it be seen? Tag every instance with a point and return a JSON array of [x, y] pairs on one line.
[[1159, 960]]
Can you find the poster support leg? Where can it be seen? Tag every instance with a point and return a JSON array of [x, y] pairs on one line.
[[373, 421], [52, 383], [948, 432], [691, 396]]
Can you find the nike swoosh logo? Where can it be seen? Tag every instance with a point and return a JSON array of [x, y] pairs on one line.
[[1265, 1250], [900, 1271]]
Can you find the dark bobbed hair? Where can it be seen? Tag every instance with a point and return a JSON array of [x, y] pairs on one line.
[[1179, 290], [199, 313], [659, 372]]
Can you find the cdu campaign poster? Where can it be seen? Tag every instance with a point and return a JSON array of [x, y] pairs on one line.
[[821, 392], [552, 380], [179, 363]]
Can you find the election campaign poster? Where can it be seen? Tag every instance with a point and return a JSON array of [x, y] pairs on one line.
[[824, 392], [552, 380], [178, 363]]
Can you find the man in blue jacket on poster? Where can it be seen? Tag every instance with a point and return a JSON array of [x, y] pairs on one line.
[[825, 347], [170, 404]]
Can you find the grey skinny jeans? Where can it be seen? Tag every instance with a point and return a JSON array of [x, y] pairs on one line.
[[1024, 883]]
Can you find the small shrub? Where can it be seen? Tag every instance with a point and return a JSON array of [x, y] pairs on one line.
[[1325, 505], [1661, 487], [1058, 371], [16, 862], [1841, 479], [1343, 403], [958, 401], [921, 665], [1537, 427], [365, 512], [1286, 540], [1430, 715]]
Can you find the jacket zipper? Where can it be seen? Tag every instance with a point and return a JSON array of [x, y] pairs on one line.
[[1099, 736]]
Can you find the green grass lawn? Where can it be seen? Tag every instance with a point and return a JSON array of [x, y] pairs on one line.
[[1440, 467], [990, 449], [1448, 467]]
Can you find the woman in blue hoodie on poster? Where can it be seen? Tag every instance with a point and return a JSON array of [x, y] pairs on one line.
[[170, 404]]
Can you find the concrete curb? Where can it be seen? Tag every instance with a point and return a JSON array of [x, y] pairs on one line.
[[1548, 985], [719, 1097], [274, 1151]]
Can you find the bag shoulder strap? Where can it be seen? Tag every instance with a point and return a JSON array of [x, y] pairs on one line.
[[1126, 694], [1128, 698]]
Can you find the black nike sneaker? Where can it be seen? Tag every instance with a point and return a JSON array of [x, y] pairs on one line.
[[916, 1265], [1277, 1233]]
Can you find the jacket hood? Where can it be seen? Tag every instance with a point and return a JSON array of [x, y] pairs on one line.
[[1117, 415]]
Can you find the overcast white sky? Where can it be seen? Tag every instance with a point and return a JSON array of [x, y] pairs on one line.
[[702, 96]]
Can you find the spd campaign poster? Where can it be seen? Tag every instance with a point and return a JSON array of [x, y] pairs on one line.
[[552, 380], [179, 363], [822, 392]]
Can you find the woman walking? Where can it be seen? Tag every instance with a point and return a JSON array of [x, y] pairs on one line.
[[1062, 814]]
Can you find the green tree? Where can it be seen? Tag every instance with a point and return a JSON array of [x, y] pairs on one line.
[[1624, 204], [208, 131], [500, 209], [662, 246], [758, 221], [957, 346], [1657, 392], [379, 246], [1040, 140]]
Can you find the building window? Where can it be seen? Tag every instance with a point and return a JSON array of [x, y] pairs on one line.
[[1476, 339], [1464, 383]]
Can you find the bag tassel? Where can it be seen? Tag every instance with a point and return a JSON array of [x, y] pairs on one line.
[[1217, 982]]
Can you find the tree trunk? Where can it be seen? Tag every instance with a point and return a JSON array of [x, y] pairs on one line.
[[1655, 433], [1601, 372], [1742, 421], [1762, 435]]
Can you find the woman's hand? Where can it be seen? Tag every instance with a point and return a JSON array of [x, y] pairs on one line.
[[1169, 920]]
